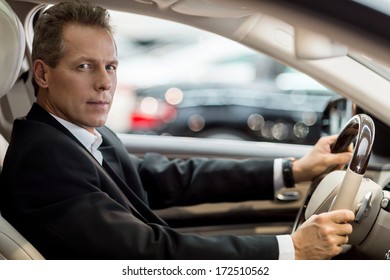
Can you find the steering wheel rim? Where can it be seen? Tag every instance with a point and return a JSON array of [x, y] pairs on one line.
[[362, 128]]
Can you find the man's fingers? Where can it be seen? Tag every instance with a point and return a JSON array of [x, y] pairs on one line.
[[342, 216], [331, 138], [344, 157], [342, 240]]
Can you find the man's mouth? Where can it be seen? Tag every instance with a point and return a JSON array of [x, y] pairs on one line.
[[99, 102]]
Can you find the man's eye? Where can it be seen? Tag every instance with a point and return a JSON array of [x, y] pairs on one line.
[[111, 68], [84, 66]]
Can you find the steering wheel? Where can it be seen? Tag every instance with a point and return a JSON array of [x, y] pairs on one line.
[[360, 127]]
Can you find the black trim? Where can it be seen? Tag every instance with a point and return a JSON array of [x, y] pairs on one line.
[[287, 172], [359, 17]]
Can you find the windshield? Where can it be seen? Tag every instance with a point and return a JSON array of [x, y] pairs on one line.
[[382, 6]]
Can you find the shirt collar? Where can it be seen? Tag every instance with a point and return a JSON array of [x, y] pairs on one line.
[[91, 141]]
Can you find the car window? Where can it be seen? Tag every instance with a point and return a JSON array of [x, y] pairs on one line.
[[180, 81]]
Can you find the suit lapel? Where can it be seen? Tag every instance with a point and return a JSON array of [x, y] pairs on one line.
[[37, 113], [110, 157], [133, 198], [111, 164]]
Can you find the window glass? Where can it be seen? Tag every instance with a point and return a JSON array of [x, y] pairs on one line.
[[180, 81]]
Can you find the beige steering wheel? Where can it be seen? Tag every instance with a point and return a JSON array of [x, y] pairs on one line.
[[360, 128]]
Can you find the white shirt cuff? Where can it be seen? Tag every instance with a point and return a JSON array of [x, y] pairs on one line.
[[286, 247], [278, 175]]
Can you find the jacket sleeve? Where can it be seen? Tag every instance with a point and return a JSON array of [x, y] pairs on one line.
[[201, 180], [178, 182]]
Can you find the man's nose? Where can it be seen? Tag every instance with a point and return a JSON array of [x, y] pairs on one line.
[[103, 80]]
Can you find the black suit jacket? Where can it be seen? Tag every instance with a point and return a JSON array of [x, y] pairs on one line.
[[70, 207]]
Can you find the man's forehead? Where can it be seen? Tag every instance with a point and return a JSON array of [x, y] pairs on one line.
[[76, 28], [83, 39]]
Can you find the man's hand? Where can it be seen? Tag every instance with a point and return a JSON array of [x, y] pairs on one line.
[[319, 159], [322, 236]]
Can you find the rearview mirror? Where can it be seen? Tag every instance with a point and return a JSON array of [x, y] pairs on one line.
[[311, 45]]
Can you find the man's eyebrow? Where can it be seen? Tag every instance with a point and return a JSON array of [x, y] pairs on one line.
[[94, 60]]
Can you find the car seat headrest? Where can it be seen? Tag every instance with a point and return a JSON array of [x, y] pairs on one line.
[[12, 46]]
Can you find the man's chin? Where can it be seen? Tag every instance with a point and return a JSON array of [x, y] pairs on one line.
[[94, 124]]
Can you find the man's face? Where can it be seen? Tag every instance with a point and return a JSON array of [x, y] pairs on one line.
[[81, 87]]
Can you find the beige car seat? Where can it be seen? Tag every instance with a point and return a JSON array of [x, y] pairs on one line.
[[13, 246]]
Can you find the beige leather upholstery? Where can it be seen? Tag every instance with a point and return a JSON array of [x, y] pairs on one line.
[[3, 149], [12, 46], [13, 246]]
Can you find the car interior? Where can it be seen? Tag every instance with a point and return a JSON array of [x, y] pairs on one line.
[[260, 26]]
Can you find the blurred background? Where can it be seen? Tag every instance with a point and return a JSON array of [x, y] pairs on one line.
[[180, 81]]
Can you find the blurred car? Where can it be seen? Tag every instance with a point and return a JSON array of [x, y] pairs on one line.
[[228, 111], [325, 39]]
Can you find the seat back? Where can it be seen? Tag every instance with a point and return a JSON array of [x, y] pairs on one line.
[[3, 149], [12, 47], [13, 245]]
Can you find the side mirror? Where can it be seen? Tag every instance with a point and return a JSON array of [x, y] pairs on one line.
[[336, 114]]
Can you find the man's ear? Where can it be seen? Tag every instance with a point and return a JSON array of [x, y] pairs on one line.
[[40, 73]]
